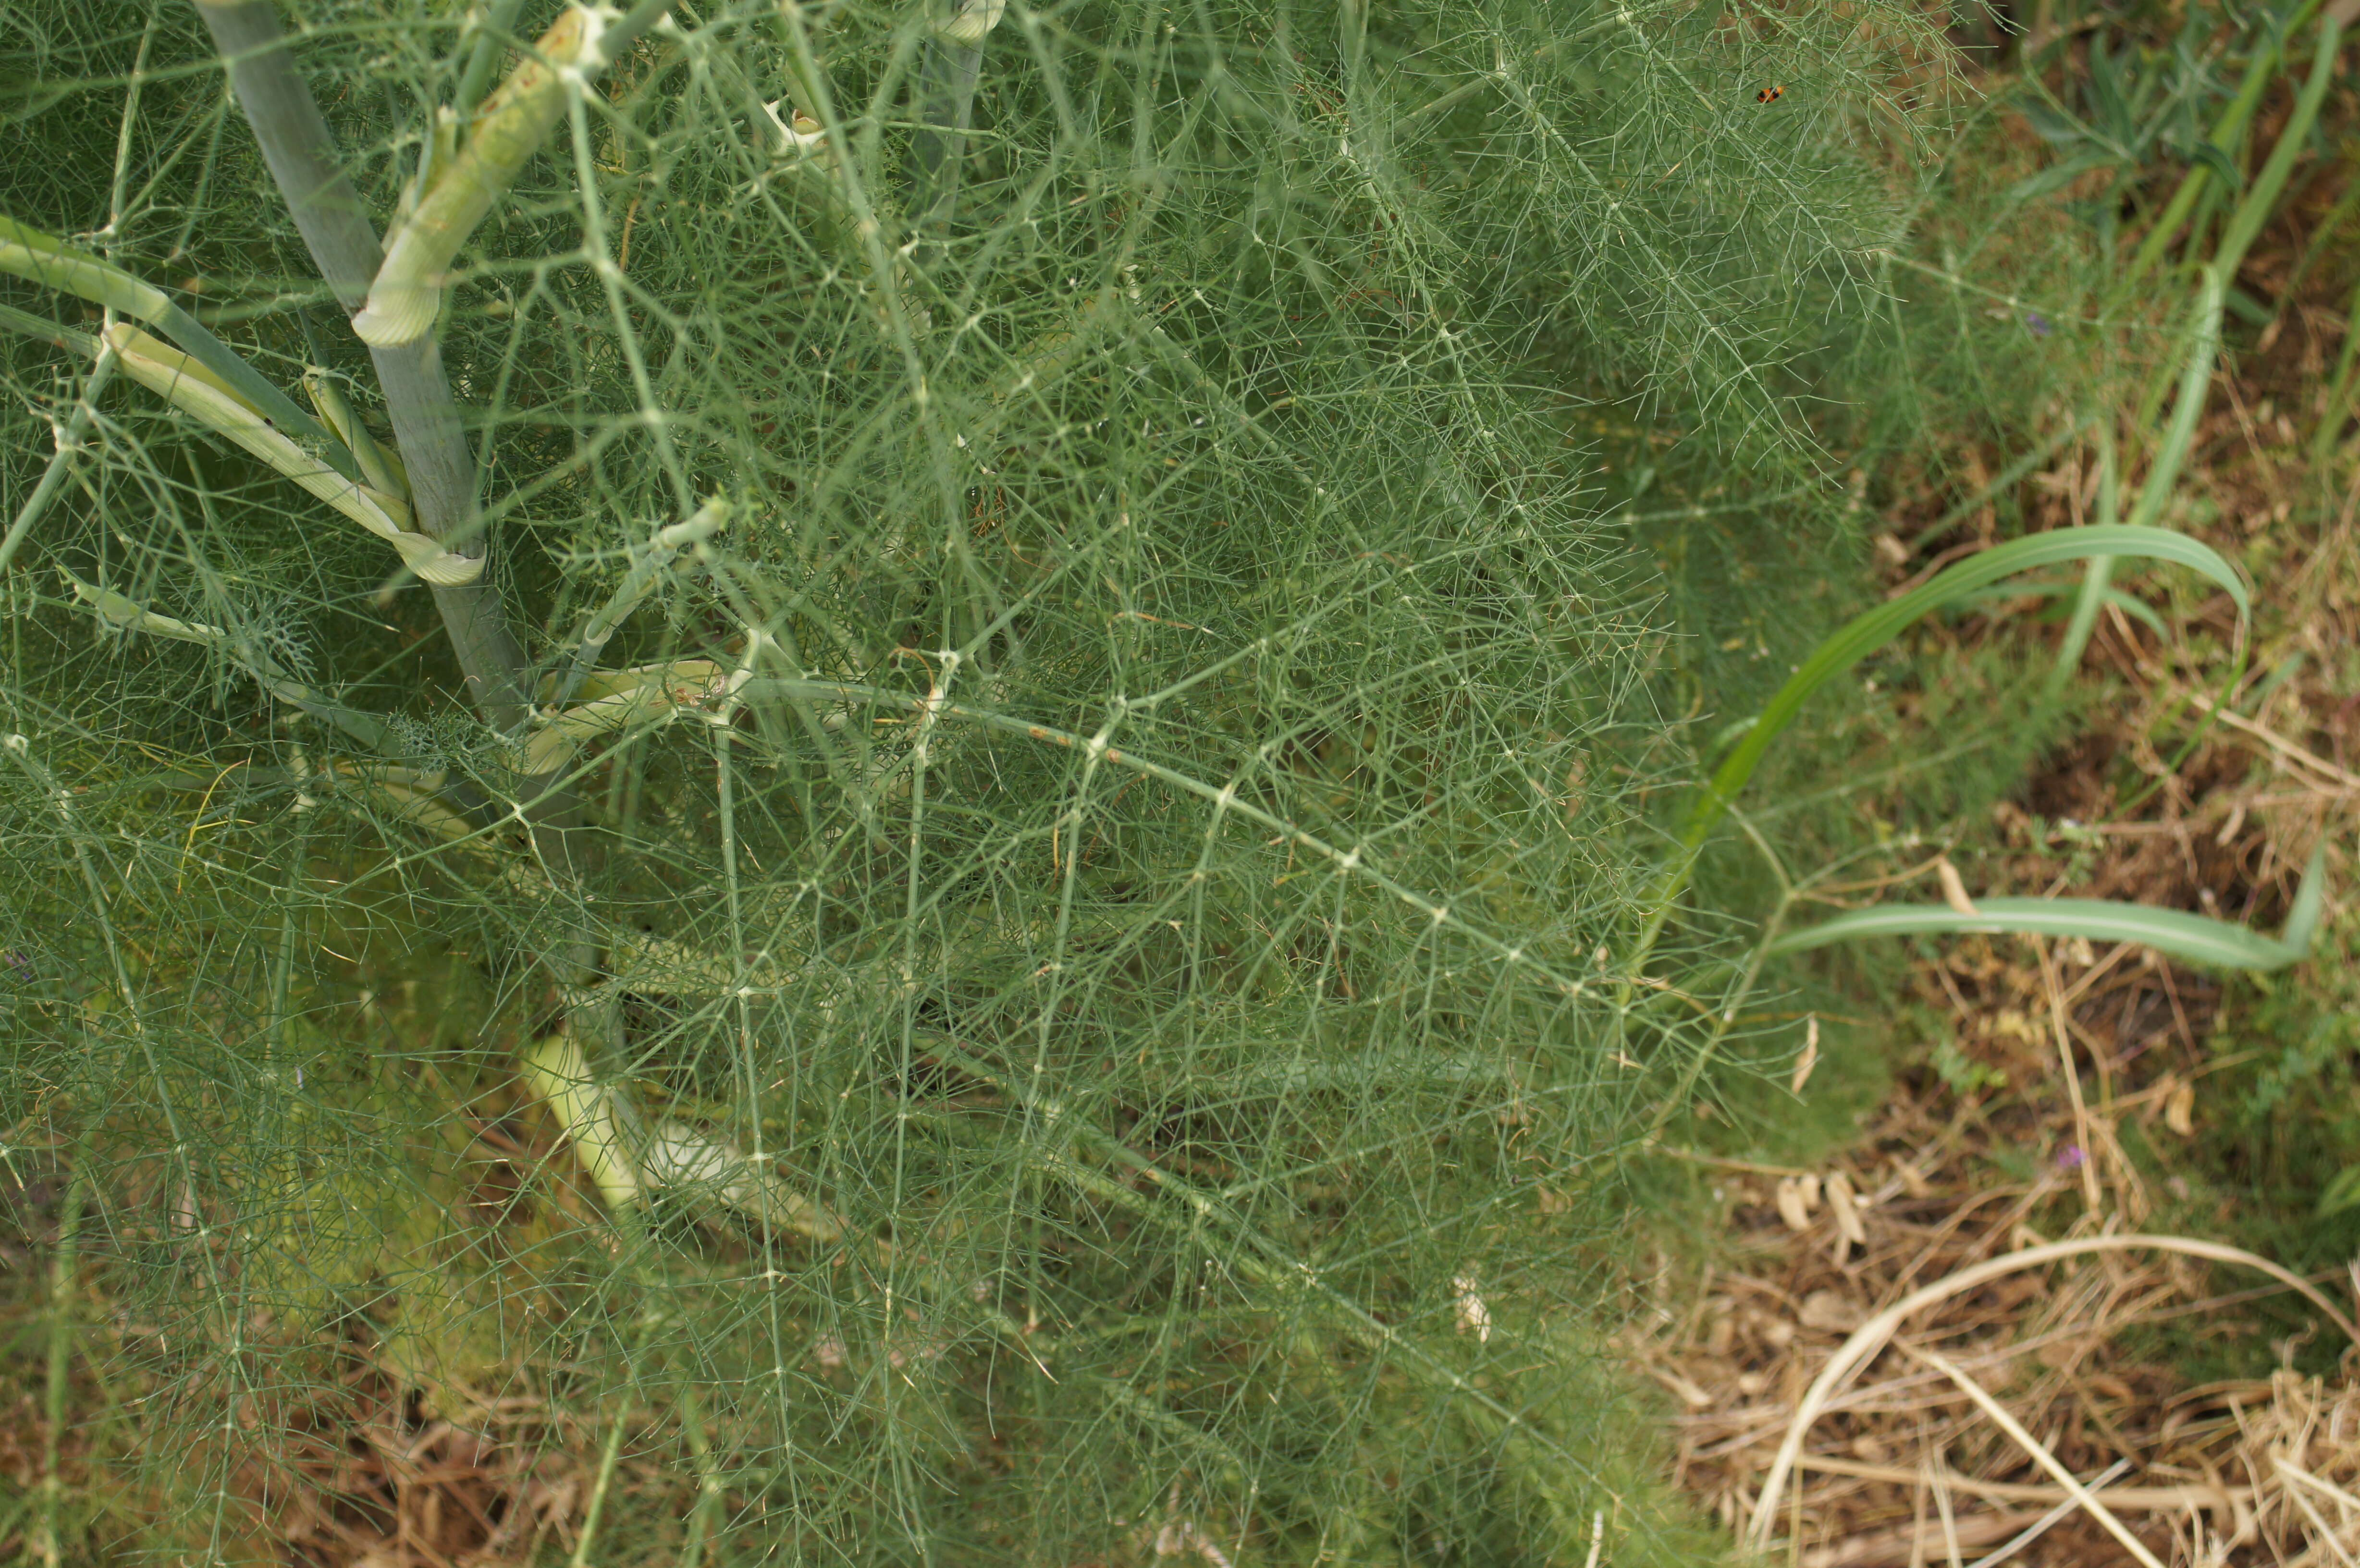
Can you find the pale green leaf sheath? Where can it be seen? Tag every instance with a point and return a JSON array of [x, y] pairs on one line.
[[189, 387], [69, 269], [513, 122]]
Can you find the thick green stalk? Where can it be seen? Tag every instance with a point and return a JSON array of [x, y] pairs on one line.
[[301, 150], [946, 83], [71, 269], [405, 293], [492, 34], [945, 104], [428, 431]]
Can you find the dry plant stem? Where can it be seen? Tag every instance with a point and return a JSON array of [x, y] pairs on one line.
[[2310, 761], [2047, 1522], [2347, 1505], [1874, 1336], [61, 1344], [1917, 1511], [2324, 1531], [2131, 1500], [2040, 1452], [1936, 1478], [2092, 1196]]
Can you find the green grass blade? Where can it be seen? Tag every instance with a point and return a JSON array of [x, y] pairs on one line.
[[2195, 383], [1868, 632], [2303, 919], [2260, 71], [2190, 938], [2339, 385], [2135, 608], [2261, 199], [1865, 633], [54, 264], [2089, 599]]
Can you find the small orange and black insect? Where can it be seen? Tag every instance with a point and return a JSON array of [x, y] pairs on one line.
[[1769, 94]]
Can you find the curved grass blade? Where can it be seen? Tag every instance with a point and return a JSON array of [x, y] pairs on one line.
[[2195, 382], [2138, 610], [2190, 938], [1865, 633], [54, 264]]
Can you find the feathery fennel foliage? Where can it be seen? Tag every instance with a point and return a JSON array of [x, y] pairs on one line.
[[992, 928]]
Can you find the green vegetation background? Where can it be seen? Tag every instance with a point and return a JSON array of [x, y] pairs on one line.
[[1458, 418]]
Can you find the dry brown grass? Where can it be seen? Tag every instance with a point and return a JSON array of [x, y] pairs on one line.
[[1909, 1461], [363, 1475], [1902, 1466]]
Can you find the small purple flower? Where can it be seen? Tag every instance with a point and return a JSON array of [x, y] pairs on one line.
[[2069, 1158], [18, 962], [2035, 324]]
